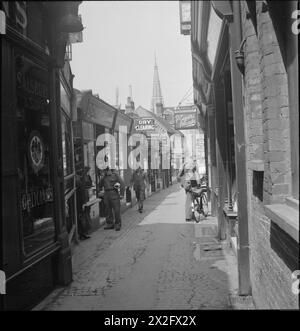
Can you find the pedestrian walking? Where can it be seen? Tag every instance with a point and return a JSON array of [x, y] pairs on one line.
[[188, 178], [139, 181], [114, 188]]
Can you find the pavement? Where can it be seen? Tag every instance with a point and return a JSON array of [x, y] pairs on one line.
[[157, 261]]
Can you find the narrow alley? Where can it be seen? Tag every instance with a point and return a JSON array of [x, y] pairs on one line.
[[150, 156], [157, 261]]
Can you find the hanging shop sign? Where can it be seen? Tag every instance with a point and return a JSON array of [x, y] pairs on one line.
[[36, 151], [185, 17], [186, 121]]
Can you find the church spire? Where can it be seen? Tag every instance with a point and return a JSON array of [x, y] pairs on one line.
[[157, 99]]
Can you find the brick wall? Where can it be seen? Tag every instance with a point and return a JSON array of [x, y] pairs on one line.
[[273, 254], [275, 112]]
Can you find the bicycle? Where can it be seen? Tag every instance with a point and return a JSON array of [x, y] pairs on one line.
[[199, 202]]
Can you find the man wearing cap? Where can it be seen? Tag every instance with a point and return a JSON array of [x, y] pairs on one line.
[[112, 183], [139, 181]]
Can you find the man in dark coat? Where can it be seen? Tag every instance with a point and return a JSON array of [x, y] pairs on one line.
[[82, 184], [139, 181], [114, 188]]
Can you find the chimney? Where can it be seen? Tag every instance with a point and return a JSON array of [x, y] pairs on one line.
[[129, 107], [159, 109]]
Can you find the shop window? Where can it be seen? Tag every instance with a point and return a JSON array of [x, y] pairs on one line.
[[78, 156], [34, 155]]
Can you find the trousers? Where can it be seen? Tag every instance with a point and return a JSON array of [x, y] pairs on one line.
[[140, 196], [112, 208]]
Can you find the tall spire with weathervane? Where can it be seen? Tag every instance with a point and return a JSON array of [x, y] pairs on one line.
[[157, 99]]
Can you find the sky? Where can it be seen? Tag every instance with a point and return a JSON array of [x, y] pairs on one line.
[[120, 39]]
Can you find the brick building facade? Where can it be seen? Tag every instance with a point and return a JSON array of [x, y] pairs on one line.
[[273, 251], [245, 75]]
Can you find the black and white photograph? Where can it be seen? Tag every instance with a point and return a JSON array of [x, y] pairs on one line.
[[149, 159]]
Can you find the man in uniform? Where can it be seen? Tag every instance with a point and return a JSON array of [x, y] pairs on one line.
[[139, 181], [110, 183]]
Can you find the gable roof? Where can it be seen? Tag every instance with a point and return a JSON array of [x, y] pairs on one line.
[[142, 112]]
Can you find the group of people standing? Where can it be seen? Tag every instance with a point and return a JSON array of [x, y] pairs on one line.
[[112, 188]]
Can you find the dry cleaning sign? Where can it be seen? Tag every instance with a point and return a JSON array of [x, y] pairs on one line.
[[144, 124]]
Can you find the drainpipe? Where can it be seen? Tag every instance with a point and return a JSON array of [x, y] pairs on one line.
[[235, 30]]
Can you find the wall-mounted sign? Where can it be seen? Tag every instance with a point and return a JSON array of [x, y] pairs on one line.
[[186, 121], [144, 124], [36, 151]]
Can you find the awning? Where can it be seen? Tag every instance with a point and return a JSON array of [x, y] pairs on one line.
[[96, 111]]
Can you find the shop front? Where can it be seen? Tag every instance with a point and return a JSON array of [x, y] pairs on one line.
[[122, 130], [35, 254], [68, 115], [95, 119]]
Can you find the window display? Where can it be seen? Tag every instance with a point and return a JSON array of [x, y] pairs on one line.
[[34, 153]]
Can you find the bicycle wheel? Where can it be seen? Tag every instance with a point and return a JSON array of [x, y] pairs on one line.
[[197, 209], [204, 204]]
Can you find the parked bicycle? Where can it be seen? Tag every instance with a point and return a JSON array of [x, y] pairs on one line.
[[199, 200]]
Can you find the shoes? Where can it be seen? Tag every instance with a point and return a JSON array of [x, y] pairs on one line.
[[108, 227], [140, 210], [117, 227], [188, 220]]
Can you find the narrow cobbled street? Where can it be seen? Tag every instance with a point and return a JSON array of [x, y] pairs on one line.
[[156, 261]]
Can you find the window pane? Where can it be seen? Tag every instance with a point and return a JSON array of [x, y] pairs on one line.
[[36, 182]]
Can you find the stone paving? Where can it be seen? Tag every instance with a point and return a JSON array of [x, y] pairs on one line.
[[156, 261]]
